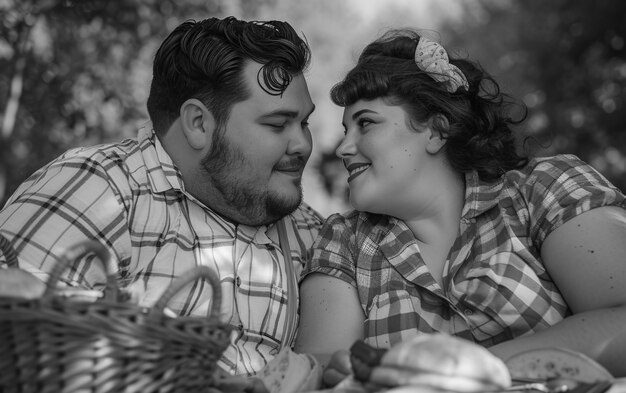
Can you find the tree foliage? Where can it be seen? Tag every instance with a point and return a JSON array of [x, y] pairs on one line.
[[77, 72], [566, 59]]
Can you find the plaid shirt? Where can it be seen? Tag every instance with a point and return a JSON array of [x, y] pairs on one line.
[[495, 286], [131, 198]]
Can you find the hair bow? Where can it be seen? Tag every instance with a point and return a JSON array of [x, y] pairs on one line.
[[432, 58]]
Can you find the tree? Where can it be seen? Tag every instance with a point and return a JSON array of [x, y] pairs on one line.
[[567, 60], [77, 72]]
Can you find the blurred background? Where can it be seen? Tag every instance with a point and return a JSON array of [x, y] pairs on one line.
[[77, 72]]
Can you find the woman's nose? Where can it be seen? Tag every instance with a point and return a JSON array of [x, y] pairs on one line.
[[346, 147]]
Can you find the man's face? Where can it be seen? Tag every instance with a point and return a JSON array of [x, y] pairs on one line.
[[255, 167]]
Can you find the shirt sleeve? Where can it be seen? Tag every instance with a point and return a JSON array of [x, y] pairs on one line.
[[562, 187], [69, 201], [332, 253]]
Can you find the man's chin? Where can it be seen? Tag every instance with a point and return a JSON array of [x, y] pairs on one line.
[[282, 205]]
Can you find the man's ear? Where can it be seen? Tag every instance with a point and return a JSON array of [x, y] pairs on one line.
[[197, 122], [438, 127]]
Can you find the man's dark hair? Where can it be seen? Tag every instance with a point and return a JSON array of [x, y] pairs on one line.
[[205, 60]]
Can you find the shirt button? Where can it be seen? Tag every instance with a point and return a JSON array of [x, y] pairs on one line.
[[468, 312]]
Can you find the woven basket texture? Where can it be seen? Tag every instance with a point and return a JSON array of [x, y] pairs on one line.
[[62, 344]]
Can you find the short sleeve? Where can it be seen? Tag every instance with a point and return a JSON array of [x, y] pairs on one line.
[[560, 188], [333, 253], [63, 204]]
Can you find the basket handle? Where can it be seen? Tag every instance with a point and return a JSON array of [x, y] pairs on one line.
[[9, 252], [111, 291], [188, 277]]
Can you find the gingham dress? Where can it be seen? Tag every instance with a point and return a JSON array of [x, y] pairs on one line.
[[131, 198], [495, 286]]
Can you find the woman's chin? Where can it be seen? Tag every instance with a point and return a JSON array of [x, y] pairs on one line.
[[365, 206]]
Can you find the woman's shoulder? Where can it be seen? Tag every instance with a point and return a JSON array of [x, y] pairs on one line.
[[556, 164], [557, 170], [560, 181]]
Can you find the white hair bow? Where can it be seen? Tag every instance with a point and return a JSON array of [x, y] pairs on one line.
[[432, 58]]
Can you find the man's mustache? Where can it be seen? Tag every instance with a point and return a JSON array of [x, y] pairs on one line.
[[294, 164]]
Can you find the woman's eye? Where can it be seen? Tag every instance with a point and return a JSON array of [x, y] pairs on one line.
[[363, 122]]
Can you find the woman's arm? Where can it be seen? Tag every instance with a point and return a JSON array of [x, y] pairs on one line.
[[331, 317], [586, 258]]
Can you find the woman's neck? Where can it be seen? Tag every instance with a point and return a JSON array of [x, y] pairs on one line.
[[436, 221], [437, 224]]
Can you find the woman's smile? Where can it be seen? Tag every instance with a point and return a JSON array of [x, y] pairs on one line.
[[356, 169]]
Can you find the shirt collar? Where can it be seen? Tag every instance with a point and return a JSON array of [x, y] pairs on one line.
[[480, 196], [165, 176], [162, 172]]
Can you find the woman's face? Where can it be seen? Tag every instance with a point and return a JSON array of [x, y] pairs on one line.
[[387, 159]]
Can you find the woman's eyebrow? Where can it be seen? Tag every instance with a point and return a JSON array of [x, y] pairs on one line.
[[359, 113]]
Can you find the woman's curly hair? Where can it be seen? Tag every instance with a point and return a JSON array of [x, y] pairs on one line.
[[478, 128]]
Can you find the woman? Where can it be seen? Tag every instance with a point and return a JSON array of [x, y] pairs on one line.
[[454, 231]]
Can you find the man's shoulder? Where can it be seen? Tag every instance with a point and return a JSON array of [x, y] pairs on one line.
[[358, 219], [90, 167], [304, 225], [306, 216], [103, 153]]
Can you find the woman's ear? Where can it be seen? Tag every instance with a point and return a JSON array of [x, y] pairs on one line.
[[197, 122], [438, 127]]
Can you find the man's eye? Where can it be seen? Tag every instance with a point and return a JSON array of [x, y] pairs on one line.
[[275, 126]]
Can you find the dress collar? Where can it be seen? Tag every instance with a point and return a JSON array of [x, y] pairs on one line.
[[480, 196]]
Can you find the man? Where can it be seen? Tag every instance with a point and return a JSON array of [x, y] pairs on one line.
[[208, 184]]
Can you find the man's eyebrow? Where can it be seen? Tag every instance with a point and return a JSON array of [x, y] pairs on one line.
[[285, 113]]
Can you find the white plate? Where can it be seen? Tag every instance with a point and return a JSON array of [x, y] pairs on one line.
[[548, 363]]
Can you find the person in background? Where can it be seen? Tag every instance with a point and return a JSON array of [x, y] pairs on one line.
[[454, 230], [210, 182]]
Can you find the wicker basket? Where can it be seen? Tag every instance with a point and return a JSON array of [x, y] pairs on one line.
[[58, 344]]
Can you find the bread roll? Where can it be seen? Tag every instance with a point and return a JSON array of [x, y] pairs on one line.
[[441, 361]]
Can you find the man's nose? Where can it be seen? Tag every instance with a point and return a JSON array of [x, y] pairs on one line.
[[300, 142]]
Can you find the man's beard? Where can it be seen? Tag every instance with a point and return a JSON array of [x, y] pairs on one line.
[[229, 171]]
